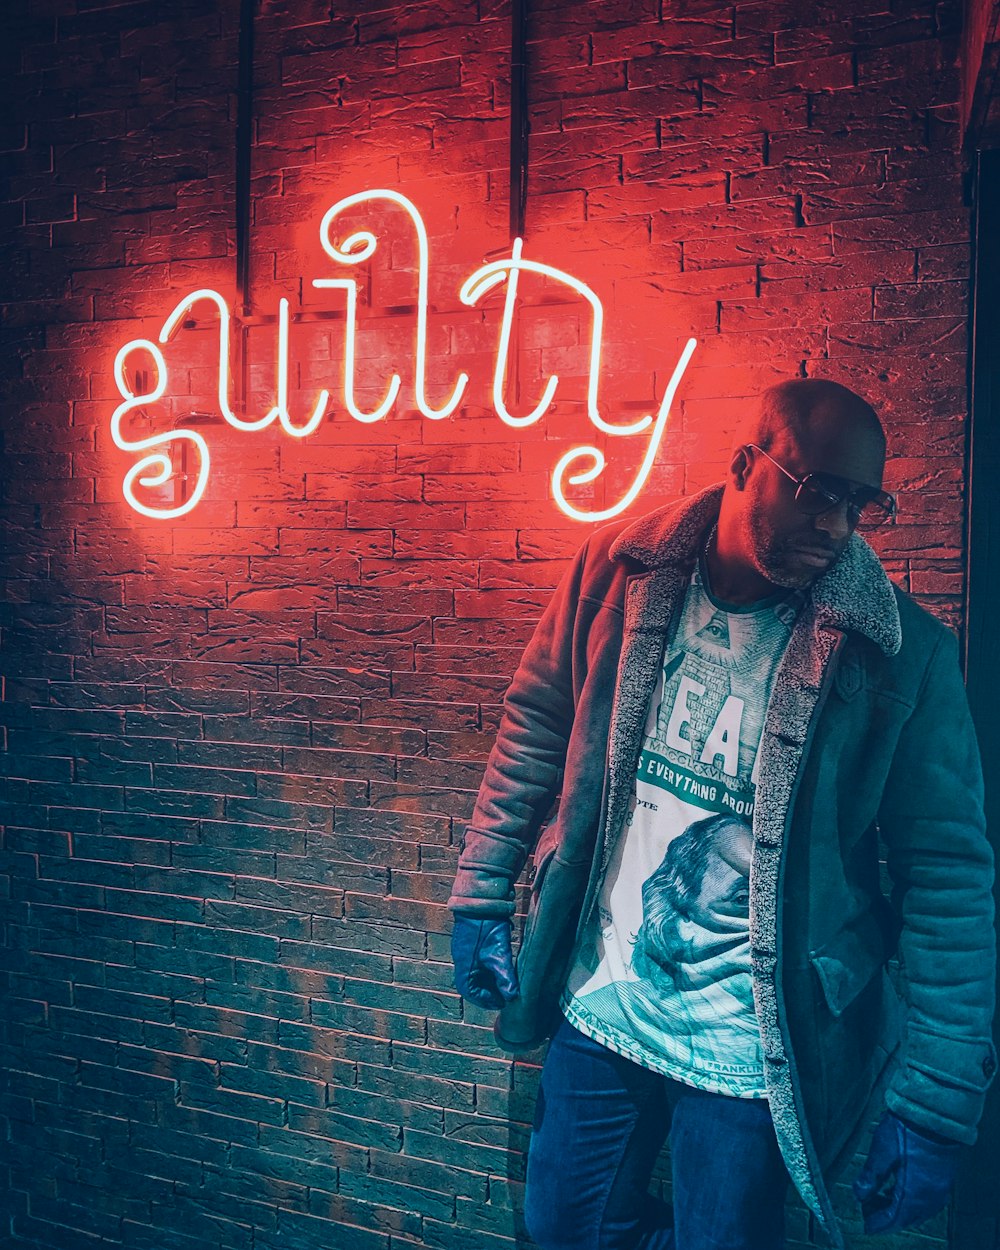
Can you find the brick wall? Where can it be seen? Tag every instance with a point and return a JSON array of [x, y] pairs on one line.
[[240, 744]]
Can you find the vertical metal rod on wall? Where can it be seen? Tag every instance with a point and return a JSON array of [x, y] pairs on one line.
[[244, 140], [244, 146], [518, 164], [518, 120]]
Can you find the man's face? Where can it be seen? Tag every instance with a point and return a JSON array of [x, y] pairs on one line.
[[716, 907], [724, 895], [784, 545]]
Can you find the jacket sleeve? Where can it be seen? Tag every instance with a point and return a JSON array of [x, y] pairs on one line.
[[941, 867], [525, 767]]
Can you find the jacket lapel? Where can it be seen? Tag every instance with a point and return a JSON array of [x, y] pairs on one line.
[[797, 696], [652, 601]]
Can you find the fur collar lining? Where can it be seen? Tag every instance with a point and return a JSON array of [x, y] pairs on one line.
[[855, 595]]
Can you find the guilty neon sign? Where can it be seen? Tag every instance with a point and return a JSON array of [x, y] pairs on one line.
[[578, 466]]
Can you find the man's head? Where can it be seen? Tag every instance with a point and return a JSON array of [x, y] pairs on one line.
[[802, 426], [695, 900]]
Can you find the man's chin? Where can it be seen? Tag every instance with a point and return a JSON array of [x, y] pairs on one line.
[[785, 578], [800, 581], [796, 570]]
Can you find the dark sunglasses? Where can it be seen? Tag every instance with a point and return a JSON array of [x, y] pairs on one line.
[[816, 493]]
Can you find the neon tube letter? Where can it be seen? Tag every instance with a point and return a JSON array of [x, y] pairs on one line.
[[350, 288], [158, 461], [596, 456], [170, 329], [359, 247], [280, 409], [489, 276]]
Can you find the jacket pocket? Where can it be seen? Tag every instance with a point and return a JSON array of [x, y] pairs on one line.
[[849, 678], [547, 846], [546, 948], [554, 882], [849, 961]]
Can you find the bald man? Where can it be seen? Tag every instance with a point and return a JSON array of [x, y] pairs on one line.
[[737, 677]]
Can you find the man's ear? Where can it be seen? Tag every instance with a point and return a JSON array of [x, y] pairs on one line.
[[739, 467]]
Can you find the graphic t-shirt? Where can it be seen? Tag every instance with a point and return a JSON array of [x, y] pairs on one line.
[[662, 973]]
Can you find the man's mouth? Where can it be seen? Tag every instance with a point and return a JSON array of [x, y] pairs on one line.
[[816, 557]]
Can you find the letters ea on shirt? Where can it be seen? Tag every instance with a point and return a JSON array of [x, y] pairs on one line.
[[724, 736]]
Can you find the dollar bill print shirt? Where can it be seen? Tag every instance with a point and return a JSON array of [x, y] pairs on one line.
[[662, 974]]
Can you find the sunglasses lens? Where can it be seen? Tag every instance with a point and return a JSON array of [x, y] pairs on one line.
[[817, 494], [875, 513]]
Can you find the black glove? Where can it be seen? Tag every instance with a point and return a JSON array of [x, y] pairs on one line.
[[907, 1177], [484, 962]]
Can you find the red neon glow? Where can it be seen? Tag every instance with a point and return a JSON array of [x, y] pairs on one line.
[[353, 250]]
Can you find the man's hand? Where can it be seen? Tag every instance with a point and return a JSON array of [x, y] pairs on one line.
[[484, 963], [908, 1175]]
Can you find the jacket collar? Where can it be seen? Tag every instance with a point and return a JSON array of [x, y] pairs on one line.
[[855, 595]]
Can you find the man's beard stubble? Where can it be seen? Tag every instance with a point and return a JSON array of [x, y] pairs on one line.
[[770, 556]]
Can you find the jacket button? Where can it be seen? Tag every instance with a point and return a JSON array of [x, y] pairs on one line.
[[989, 1067]]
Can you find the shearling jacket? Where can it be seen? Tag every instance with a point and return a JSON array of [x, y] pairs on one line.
[[867, 744]]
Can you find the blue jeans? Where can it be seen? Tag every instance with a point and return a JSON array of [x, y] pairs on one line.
[[600, 1123]]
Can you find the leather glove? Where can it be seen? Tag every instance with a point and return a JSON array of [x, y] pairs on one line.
[[907, 1177], [484, 962]]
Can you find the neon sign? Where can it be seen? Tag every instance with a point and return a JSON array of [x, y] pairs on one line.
[[578, 466]]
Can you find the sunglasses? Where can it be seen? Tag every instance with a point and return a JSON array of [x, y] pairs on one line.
[[816, 493]]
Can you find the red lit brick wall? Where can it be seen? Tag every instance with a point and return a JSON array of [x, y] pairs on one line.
[[240, 745]]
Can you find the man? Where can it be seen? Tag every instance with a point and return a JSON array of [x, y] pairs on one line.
[[740, 654]]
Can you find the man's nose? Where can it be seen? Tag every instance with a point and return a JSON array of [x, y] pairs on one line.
[[835, 521]]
